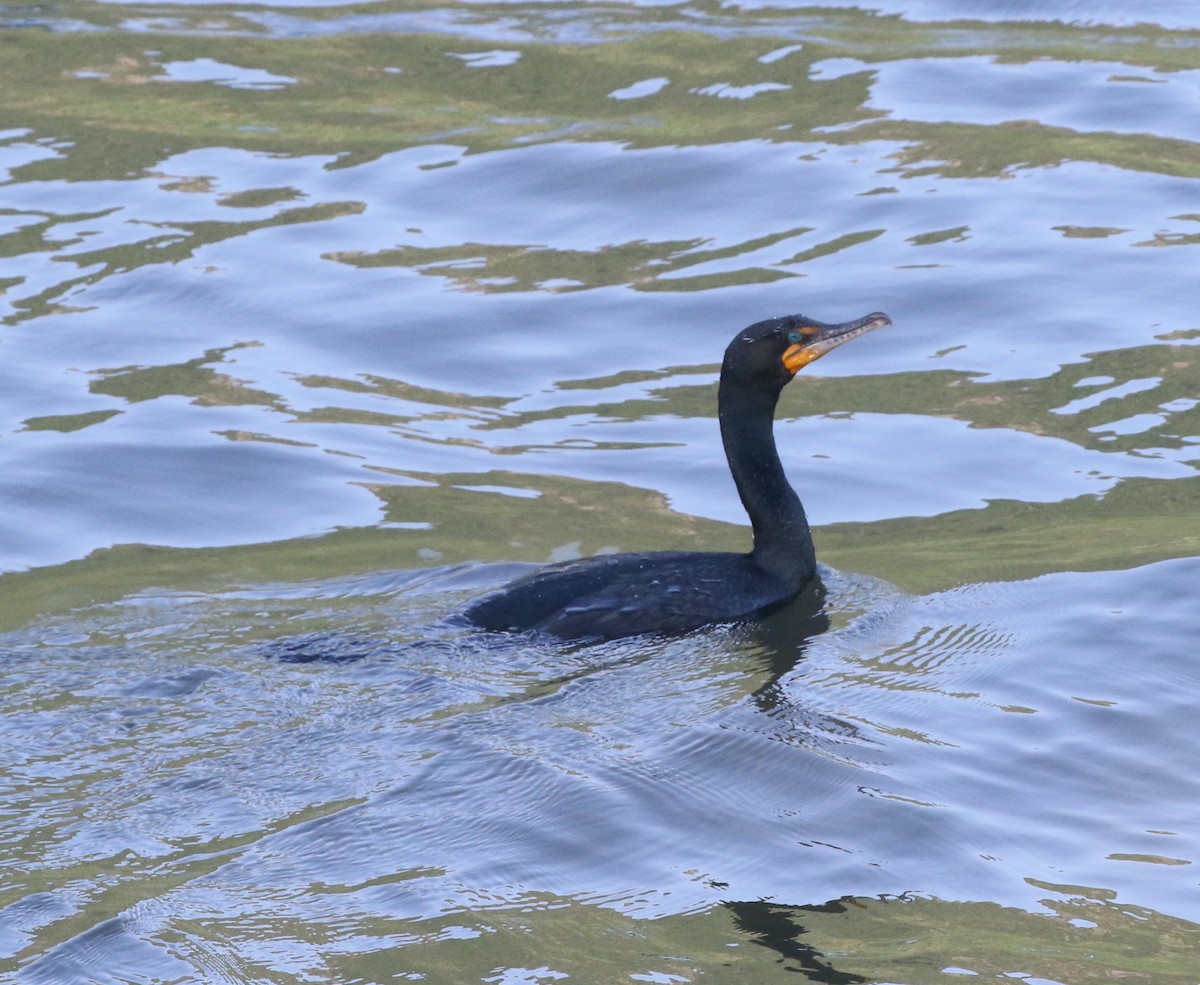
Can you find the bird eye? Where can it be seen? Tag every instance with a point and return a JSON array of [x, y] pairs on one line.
[[793, 336]]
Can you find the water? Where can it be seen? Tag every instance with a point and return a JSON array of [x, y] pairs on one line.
[[320, 321]]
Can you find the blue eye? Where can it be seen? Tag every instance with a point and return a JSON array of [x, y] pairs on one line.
[[793, 336]]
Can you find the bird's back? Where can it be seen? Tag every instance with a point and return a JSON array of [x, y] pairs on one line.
[[608, 597]]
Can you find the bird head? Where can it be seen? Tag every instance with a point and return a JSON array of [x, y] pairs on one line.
[[775, 350]]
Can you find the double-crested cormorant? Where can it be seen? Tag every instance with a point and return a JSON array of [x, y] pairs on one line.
[[617, 595]]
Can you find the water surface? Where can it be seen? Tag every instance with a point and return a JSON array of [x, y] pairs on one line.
[[320, 320]]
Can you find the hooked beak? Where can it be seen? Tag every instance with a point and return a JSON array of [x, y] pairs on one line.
[[819, 339]]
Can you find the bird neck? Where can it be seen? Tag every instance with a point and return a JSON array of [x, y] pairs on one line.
[[782, 542]]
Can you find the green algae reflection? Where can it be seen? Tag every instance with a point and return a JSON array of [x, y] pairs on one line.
[[118, 101]]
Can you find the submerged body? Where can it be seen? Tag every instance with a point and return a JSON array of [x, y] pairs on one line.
[[608, 597]]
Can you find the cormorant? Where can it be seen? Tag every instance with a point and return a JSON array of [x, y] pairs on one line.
[[611, 596]]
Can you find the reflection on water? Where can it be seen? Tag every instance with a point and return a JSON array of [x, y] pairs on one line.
[[923, 747], [307, 311]]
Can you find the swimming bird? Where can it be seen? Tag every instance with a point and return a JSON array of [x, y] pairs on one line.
[[613, 596]]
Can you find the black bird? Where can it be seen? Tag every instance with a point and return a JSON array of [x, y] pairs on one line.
[[617, 595]]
